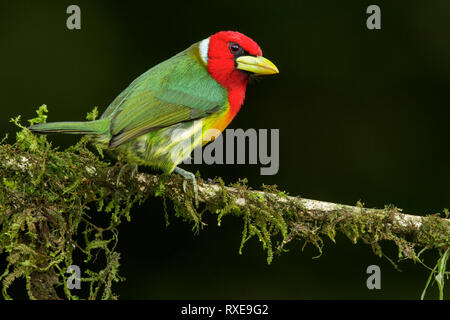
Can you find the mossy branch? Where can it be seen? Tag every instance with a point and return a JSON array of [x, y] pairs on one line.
[[48, 199]]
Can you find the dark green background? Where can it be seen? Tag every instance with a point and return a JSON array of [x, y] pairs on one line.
[[362, 116]]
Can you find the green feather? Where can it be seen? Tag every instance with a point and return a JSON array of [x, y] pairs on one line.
[[97, 127], [142, 122], [177, 90]]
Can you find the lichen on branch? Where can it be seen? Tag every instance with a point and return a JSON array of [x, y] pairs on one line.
[[49, 199]]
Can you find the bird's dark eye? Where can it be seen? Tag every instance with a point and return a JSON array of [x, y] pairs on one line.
[[236, 49]]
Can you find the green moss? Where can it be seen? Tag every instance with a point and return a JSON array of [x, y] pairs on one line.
[[44, 203], [45, 196], [433, 232], [260, 219]]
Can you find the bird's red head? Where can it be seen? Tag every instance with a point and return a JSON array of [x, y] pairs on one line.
[[231, 58], [224, 48]]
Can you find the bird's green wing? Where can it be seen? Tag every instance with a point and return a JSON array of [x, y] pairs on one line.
[[177, 90]]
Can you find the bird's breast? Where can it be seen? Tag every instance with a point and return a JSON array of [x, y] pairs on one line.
[[215, 123]]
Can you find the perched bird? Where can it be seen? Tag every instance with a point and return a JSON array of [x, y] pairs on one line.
[[166, 112]]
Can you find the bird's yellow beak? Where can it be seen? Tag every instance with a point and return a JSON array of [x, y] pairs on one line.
[[257, 65]]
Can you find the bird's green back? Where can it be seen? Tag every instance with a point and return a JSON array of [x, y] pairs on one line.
[[177, 90]]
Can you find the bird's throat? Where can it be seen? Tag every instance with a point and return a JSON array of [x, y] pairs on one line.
[[236, 98]]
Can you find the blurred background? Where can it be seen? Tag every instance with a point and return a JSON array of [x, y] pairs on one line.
[[363, 115]]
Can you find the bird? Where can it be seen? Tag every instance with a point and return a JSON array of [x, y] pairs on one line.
[[167, 111]]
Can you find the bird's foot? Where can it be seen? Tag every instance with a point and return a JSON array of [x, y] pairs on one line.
[[188, 176]]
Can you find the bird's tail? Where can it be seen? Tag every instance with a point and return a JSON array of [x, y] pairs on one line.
[[95, 127]]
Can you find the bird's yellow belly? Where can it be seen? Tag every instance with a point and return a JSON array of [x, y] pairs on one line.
[[166, 148]]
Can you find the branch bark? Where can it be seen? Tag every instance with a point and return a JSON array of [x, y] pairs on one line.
[[45, 192], [301, 215]]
